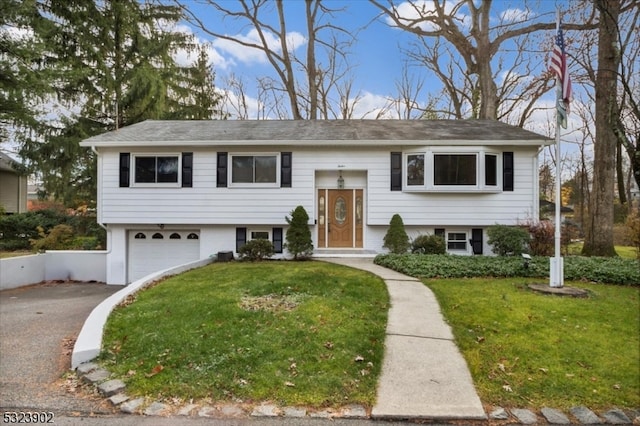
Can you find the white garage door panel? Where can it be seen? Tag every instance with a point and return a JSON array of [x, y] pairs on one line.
[[148, 255]]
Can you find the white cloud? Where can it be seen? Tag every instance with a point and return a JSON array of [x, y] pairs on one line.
[[515, 15], [250, 55], [371, 106], [409, 11]]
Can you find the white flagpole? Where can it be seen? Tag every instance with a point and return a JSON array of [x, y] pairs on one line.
[[556, 267]]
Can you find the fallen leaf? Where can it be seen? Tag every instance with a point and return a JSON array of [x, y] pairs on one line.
[[359, 358], [507, 388], [289, 384], [501, 366], [328, 345], [616, 387], [544, 370], [131, 373], [155, 370]]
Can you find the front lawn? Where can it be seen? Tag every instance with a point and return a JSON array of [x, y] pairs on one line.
[[296, 333], [526, 349]]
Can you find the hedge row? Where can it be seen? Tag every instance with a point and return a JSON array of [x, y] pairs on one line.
[[591, 269]]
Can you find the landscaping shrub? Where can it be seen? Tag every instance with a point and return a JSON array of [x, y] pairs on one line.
[[541, 240], [60, 237], [255, 250], [396, 238], [298, 236], [576, 268], [428, 244], [633, 225], [507, 240], [17, 230]]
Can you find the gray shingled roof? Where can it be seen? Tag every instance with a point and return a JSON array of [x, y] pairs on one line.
[[310, 132]]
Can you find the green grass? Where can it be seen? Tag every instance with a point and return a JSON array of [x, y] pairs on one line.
[[533, 350], [306, 333], [625, 252], [8, 254]]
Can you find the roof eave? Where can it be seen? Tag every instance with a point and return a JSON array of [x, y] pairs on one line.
[[351, 142]]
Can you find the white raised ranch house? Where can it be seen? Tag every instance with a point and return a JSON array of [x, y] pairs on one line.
[[170, 192]]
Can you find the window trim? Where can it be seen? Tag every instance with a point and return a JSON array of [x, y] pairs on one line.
[[250, 232], [132, 170], [464, 240], [278, 170], [430, 154]]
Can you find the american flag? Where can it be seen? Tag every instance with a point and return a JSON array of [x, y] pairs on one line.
[[558, 65]]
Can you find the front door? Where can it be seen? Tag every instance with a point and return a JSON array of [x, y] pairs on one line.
[[340, 216]]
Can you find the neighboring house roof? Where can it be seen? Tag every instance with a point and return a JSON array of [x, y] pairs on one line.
[[7, 164], [549, 206], [315, 132]]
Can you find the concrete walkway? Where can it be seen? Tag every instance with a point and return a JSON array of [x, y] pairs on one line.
[[424, 376]]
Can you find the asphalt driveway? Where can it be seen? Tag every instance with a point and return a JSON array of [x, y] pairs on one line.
[[38, 325]]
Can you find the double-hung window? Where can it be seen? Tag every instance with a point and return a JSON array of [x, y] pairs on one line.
[[456, 241], [415, 169], [254, 169]]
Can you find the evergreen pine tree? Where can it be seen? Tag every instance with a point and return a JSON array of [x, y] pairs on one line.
[[396, 239], [298, 234]]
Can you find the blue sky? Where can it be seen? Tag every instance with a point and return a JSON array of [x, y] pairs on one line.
[[376, 55]]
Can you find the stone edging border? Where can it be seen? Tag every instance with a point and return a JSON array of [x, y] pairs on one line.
[[115, 391]]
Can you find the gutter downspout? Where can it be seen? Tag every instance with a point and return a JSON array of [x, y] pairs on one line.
[[99, 200]]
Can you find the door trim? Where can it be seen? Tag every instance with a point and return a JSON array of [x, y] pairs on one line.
[[356, 215]]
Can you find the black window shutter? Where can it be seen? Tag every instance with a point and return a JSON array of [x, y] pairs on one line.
[[277, 239], [222, 170], [125, 164], [439, 232], [476, 240], [507, 171], [241, 238], [187, 169], [396, 171], [285, 170]]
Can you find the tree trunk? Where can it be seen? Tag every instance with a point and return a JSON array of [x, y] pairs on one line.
[[599, 238], [622, 194]]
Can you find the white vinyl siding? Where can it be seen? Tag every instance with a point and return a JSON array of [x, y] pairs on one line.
[[368, 169]]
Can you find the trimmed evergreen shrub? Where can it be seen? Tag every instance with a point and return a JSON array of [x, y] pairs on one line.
[[298, 237], [396, 239], [429, 244], [508, 240], [256, 250]]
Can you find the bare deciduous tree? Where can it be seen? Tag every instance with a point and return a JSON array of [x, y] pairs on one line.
[[599, 236], [463, 34], [305, 82]]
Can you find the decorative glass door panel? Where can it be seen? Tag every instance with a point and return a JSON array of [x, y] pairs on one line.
[[340, 218], [340, 221]]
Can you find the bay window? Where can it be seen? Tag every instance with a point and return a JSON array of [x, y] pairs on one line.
[[453, 170]]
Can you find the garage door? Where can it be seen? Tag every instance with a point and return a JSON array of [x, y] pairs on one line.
[[153, 251]]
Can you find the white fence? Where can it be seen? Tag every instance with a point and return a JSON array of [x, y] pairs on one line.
[[74, 265]]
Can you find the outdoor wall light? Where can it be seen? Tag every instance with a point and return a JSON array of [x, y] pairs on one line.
[[340, 181], [527, 260]]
